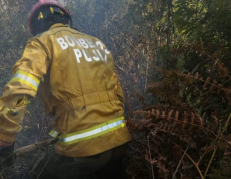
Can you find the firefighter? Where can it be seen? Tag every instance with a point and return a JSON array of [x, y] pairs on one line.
[[75, 76]]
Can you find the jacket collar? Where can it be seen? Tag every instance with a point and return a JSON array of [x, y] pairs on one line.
[[58, 25]]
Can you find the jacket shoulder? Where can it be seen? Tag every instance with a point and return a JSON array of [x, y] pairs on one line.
[[38, 35], [45, 35]]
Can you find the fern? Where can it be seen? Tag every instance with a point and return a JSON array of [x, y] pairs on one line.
[[224, 172]]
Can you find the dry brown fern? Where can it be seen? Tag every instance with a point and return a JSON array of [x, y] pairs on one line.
[[225, 143], [162, 171], [206, 83], [140, 98], [172, 122], [214, 124], [214, 87], [175, 117], [155, 85], [174, 131], [223, 71]]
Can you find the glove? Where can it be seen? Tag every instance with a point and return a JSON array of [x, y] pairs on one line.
[[7, 156]]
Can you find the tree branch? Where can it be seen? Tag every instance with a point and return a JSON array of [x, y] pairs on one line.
[[36, 146]]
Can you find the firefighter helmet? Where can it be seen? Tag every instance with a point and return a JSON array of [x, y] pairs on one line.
[[46, 3]]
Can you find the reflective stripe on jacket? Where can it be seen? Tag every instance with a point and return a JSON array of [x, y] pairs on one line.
[[91, 133], [75, 76]]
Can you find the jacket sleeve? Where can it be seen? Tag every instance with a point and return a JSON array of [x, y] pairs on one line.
[[27, 74]]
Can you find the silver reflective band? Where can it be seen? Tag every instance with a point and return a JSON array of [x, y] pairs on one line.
[[93, 132], [27, 79]]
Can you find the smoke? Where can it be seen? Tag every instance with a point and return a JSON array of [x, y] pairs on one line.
[[63, 2], [3, 5]]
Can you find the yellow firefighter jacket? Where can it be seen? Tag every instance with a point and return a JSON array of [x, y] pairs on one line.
[[75, 75]]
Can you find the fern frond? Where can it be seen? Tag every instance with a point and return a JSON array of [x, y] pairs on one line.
[[174, 117], [213, 86], [214, 123], [206, 83], [140, 98]]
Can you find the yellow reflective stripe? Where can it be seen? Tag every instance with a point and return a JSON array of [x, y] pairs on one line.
[[92, 132], [53, 133], [29, 75], [92, 128], [23, 81], [92, 136], [26, 78]]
